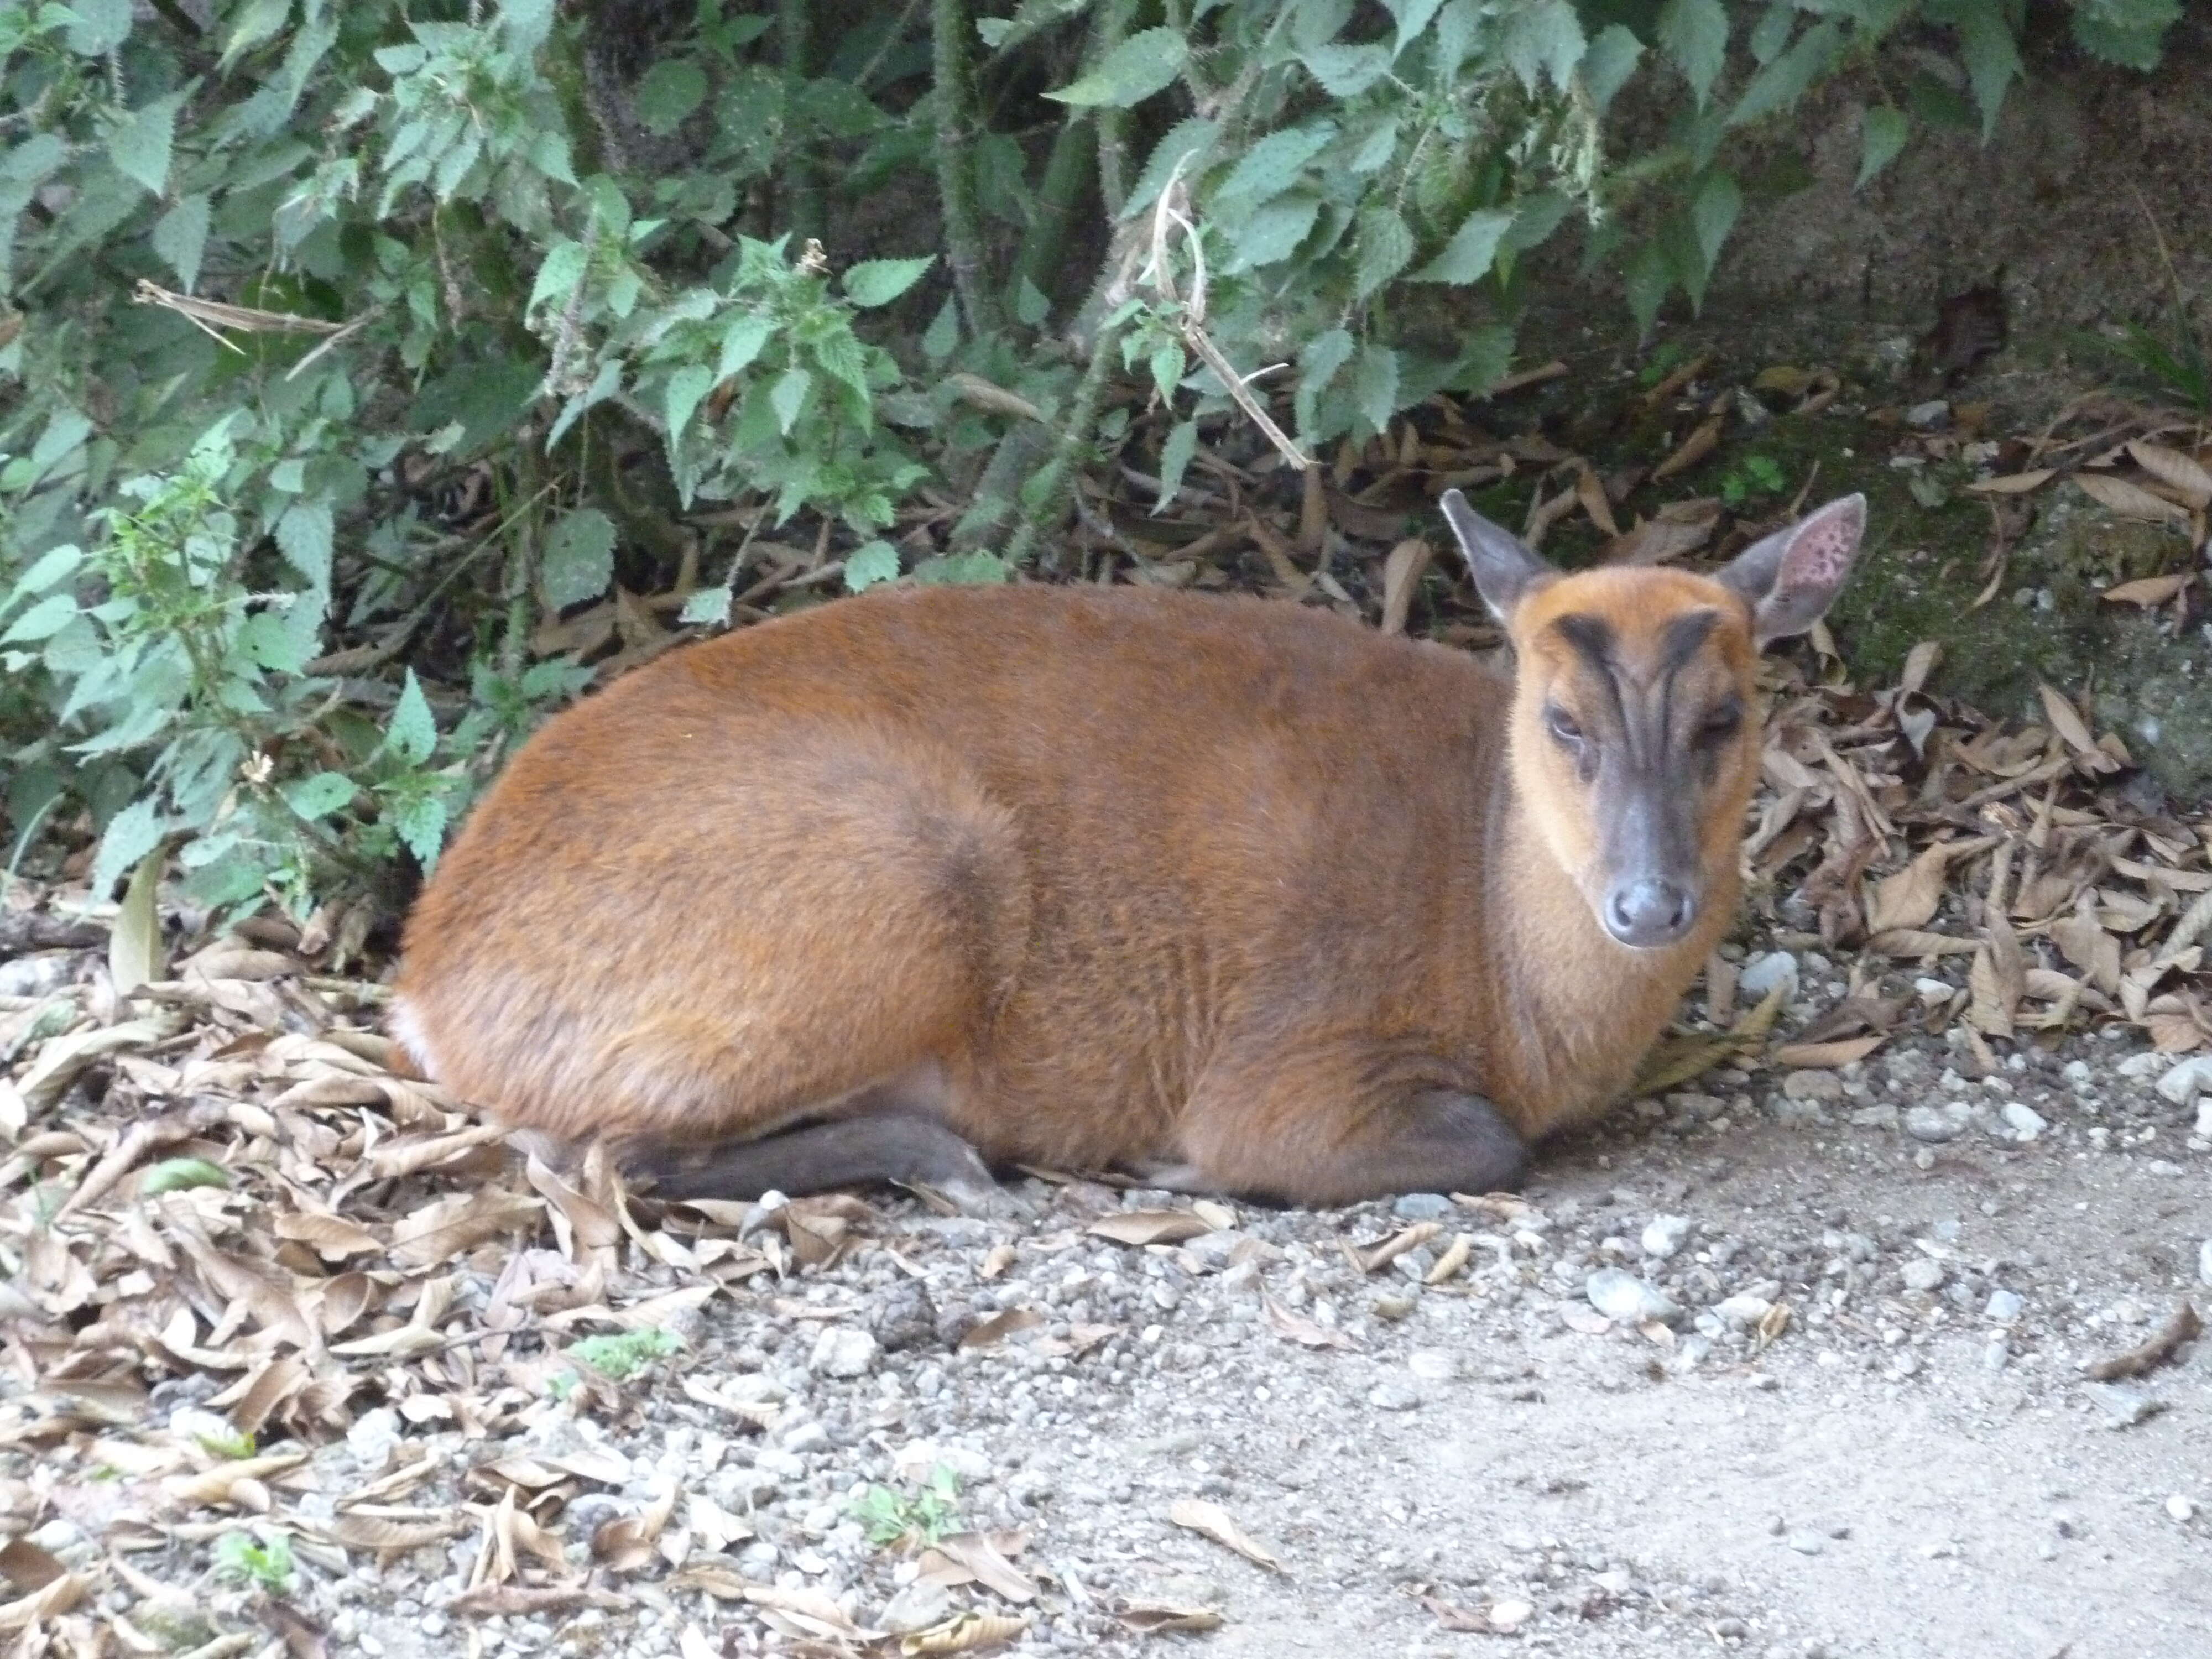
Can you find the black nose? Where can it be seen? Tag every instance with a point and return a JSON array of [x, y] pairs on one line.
[[1649, 912]]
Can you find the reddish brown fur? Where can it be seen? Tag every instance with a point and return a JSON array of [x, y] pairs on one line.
[[1107, 877]]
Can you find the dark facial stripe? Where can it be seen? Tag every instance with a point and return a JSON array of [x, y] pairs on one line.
[[1684, 636]]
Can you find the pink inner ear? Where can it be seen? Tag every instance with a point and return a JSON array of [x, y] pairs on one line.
[[1821, 551]]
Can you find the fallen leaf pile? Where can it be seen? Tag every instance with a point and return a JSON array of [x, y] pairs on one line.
[[215, 1189]]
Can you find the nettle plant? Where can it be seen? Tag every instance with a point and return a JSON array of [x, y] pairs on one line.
[[450, 316]]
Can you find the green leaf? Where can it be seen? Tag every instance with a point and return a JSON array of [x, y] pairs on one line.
[[1772, 32], [787, 397], [1174, 459], [580, 558], [43, 620], [131, 835], [1783, 81], [1612, 58], [1413, 17], [1992, 60], [963, 568], [1650, 278], [269, 643], [1324, 355], [305, 536], [181, 237], [1193, 139], [175, 1174], [1386, 247], [97, 28], [1346, 71], [707, 604], [1272, 166], [1540, 39], [49, 567], [1032, 304], [413, 733], [1375, 384], [1713, 213], [741, 343], [559, 272], [1167, 366], [421, 826], [1883, 129], [1272, 233], [668, 92], [942, 337], [258, 20], [139, 145], [1131, 72], [687, 387], [878, 282], [317, 797], [2128, 33], [869, 563], [1695, 35], [1473, 248]]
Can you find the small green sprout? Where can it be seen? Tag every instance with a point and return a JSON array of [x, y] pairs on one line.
[[893, 1517], [264, 1563]]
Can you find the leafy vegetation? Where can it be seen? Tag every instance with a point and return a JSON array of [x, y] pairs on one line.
[[264, 1563], [923, 1517], [624, 1354], [361, 365]]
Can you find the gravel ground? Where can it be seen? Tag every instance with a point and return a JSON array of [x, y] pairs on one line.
[[1843, 1410]]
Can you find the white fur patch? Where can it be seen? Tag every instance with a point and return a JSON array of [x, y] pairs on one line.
[[407, 1031]]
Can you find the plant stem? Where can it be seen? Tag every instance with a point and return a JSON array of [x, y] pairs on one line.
[[1043, 259], [1043, 514], [1113, 123], [802, 184], [950, 27]]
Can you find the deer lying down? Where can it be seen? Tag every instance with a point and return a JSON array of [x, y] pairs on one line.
[[1234, 896]]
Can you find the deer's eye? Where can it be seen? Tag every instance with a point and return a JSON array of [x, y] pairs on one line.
[[1563, 726], [1721, 724]]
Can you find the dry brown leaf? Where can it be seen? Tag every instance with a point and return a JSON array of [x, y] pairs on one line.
[[1212, 1521], [1401, 579], [2179, 472], [980, 1560], [1454, 1258], [49, 1601], [1701, 442], [2148, 590], [445, 1227], [1826, 1056], [1677, 528], [1912, 897], [1162, 1618], [524, 1601], [1905, 942], [377, 1532], [333, 1237], [1307, 1333], [2013, 484], [2129, 500], [625, 1543], [27, 1566], [811, 1610], [1150, 1226], [1405, 1238], [965, 1632], [2067, 720], [1591, 494], [999, 1327], [1997, 980]]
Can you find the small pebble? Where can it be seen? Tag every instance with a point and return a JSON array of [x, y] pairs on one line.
[[2179, 1507], [842, 1351], [1422, 1207], [1664, 1233], [2204, 1117], [1392, 1395], [2191, 1078], [1937, 1124], [1433, 1365], [2204, 1262], [2003, 1306], [919, 1606], [1807, 1543], [1744, 1310], [1922, 1274], [2123, 1404], [1506, 1617], [1620, 1294], [1812, 1085], [1763, 973], [2022, 1123]]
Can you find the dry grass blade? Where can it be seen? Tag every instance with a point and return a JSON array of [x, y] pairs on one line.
[[1405, 1238], [2013, 483], [1212, 1521], [1162, 1618], [1141, 1227], [1401, 577]]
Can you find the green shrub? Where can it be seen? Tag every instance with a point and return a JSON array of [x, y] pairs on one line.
[[451, 317]]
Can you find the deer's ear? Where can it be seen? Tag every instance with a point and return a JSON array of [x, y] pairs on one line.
[[1790, 578], [1505, 568]]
